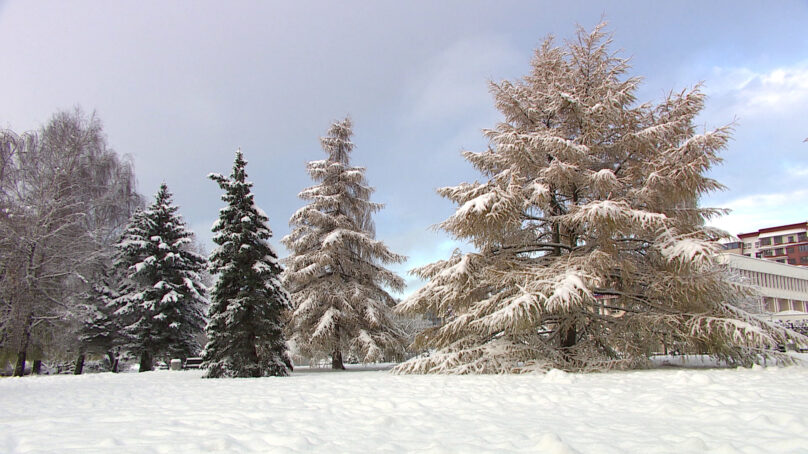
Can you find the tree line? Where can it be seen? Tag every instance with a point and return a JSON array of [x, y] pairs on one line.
[[87, 269], [591, 249]]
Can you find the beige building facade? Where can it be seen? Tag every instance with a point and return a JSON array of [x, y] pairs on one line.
[[783, 288]]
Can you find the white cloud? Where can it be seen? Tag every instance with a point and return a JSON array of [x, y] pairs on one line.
[[798, 172], [757, 211], [748, 93]]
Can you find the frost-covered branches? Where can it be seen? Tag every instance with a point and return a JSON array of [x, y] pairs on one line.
[[335, 272], [591, 247], [64, 197]]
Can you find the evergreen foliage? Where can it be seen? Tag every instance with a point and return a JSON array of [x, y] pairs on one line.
[[335, 272], [591, 248], [163, 296], [102, 329], [248, 300]]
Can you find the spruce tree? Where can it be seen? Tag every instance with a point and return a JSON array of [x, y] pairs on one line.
[[335, 272], [162, 295], [248, 301], [591, 250], [102, 329]]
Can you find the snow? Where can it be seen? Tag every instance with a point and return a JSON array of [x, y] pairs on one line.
[[478, 204], [667, 410]]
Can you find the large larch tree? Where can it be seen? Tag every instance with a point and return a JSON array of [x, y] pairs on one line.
[[248, 301], [591, 249], [335, 272]]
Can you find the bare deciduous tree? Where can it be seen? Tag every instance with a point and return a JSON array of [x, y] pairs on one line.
[[64, 195]]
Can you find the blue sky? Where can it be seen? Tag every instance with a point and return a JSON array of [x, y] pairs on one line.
[[180, 85]]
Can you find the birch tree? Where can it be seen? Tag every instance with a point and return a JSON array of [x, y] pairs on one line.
[[64, 195], [335, 272], [591, 249]]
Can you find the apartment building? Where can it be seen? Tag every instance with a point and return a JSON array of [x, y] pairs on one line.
[[782, 288], [784, 244]]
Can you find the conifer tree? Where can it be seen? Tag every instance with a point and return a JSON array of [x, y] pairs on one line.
[[335, 272], [248, 301], [102, 329], [591, 247], [163, 295]]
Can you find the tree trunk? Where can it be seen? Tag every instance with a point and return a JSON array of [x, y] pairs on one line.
[[113, 361], [336, 360], [568, 340], [146, 362], [37, 369], [19, 368], [79, 365]]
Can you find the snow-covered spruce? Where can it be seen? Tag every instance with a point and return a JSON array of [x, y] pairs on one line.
[[248, 300], [591, 249], [162, 299], [102, 330], [334, 271]]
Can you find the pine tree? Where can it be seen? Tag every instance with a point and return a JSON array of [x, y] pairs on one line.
[[335, 272], [248, 301], [591, 250], [163, 294], [102, 330]]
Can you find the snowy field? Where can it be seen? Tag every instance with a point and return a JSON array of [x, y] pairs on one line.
[[667, 410]]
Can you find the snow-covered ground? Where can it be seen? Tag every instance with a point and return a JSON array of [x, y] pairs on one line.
[[667, 410]]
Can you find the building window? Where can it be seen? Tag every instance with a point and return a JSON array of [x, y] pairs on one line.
[[802, 236], [792, 261], [790, 250], [804, 248], [765, 241], [790, 239], [778, 240], [804, 259]]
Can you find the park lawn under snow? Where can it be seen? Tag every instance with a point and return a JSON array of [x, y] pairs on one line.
[[666, 410]]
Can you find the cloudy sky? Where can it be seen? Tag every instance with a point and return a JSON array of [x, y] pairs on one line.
[[180, 85]]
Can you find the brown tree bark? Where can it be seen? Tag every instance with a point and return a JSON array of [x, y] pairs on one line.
[[113, 361], [146, 363], [19, 368], [79, 365], [336, 360], [22, 352]]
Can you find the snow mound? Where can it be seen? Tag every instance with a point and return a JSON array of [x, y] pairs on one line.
[[558, 376], [550, 443]]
